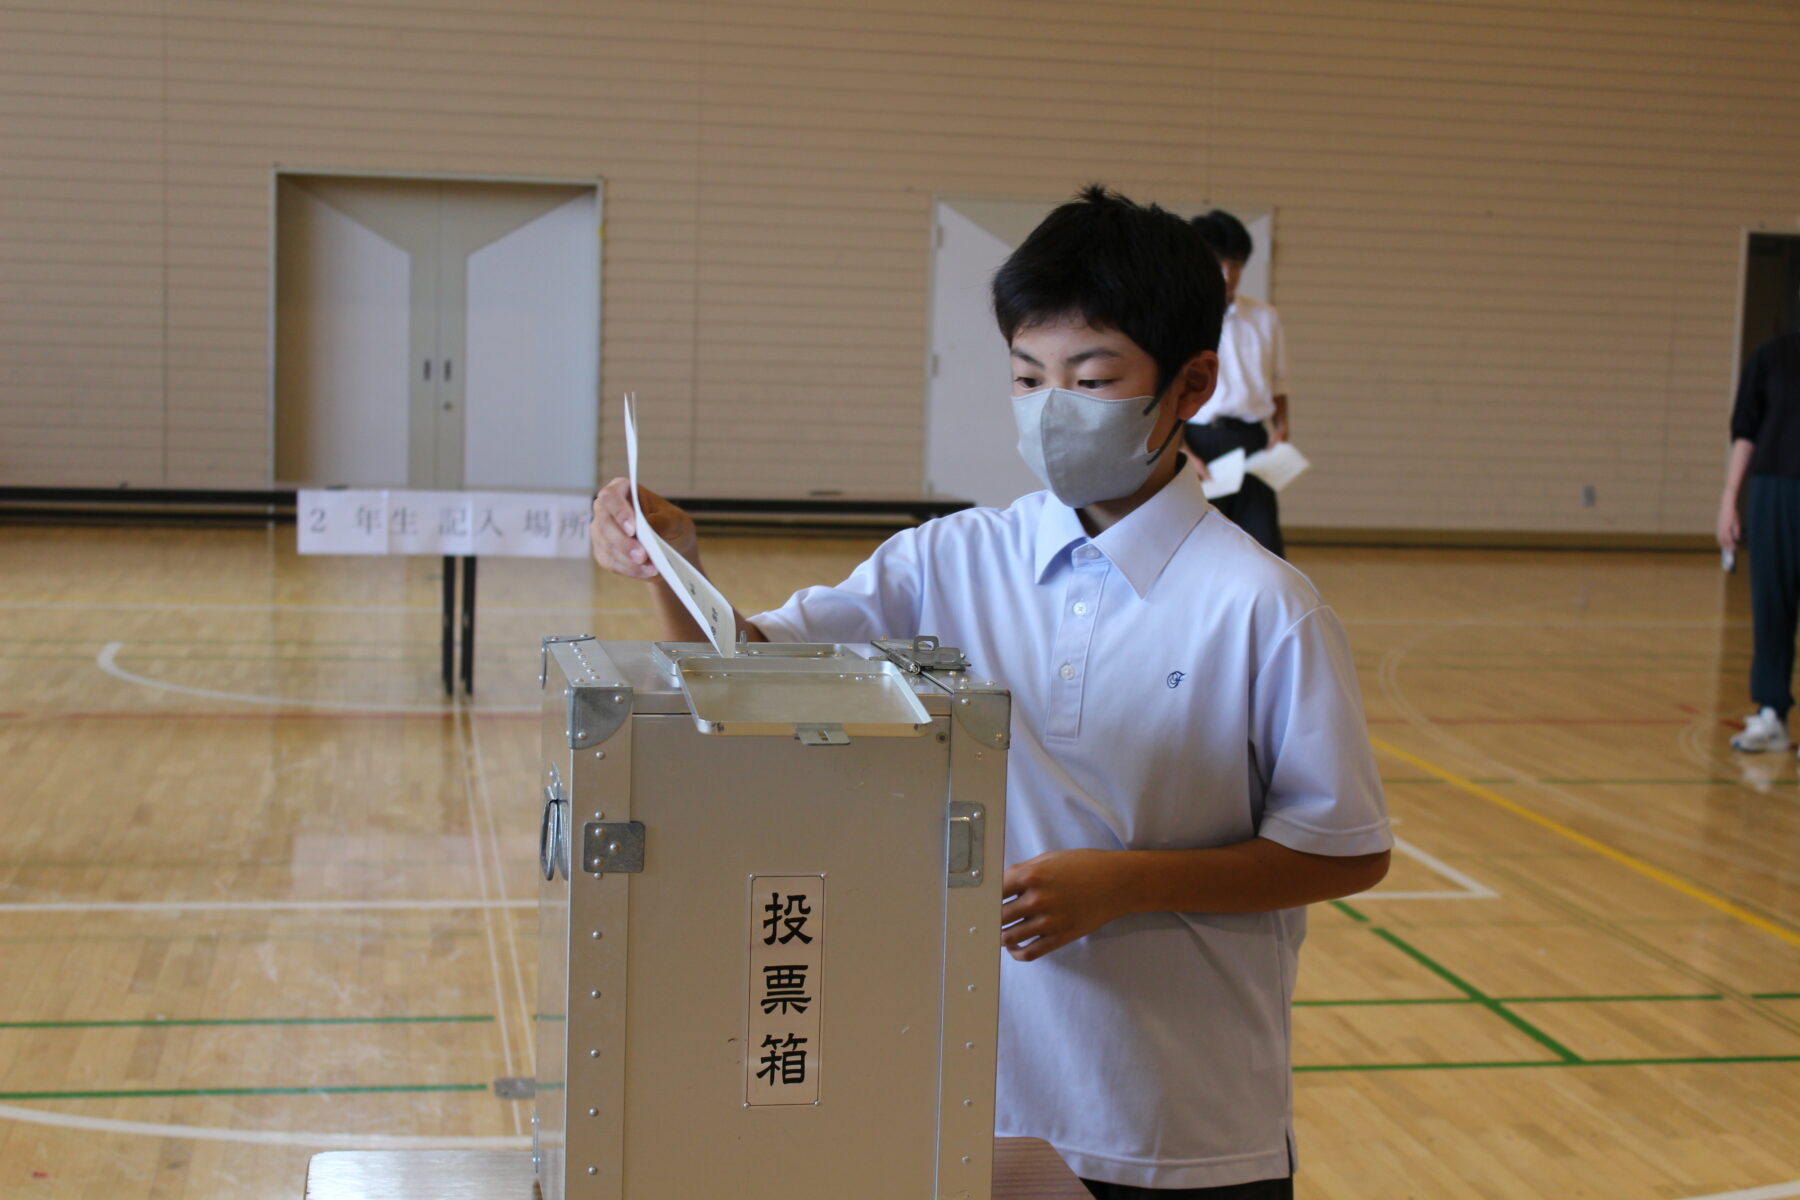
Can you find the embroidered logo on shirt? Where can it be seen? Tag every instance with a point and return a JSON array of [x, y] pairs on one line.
[[1175, 678]]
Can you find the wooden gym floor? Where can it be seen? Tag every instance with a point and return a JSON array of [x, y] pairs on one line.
[[263, 892]]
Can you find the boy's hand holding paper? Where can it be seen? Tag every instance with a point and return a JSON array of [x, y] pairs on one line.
[[627, 542]]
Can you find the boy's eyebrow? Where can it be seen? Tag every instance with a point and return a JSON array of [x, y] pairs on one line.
[[1076, 359]]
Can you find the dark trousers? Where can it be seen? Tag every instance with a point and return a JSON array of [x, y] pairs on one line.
[[1263, 1189], [1772, 535], [1254, 508]]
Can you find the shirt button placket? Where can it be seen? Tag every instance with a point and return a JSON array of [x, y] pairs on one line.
[[1070, 658]]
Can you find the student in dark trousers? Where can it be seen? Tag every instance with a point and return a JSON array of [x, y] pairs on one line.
[[1249, 409], [1765, 452]]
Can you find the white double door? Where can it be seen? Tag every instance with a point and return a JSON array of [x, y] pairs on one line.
[[436, 334]]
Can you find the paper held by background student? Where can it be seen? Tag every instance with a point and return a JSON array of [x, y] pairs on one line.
[[704, 601], [1225, 476], [1278, 465]]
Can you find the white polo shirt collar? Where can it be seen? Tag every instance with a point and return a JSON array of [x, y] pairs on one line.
[[1139, 546]]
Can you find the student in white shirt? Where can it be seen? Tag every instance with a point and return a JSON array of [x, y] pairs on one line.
[[1249, 408], [1189, 765]]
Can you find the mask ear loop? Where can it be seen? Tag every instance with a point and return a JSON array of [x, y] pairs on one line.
[[1175, 429]]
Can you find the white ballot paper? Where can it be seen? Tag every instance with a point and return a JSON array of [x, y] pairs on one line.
[[1277, 466], [702, 599], [1227, 473]]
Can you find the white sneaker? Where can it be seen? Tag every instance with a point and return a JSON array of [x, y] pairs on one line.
[[1762, 731]]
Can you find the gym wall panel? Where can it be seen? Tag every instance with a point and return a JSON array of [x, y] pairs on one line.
[[1507, 233]]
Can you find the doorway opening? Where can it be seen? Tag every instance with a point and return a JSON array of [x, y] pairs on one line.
[[436, 333], [1771, 304]]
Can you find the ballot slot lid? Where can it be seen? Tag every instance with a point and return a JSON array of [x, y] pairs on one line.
[[823, 694]]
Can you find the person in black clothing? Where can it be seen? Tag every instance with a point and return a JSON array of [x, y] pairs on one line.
[[1249, 408], [1765, 449]]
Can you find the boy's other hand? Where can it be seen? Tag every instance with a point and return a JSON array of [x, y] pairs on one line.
[[1058, 897], [613, 532], [1731, 527]]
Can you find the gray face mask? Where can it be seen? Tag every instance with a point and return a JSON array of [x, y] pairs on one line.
[[1086, 449]]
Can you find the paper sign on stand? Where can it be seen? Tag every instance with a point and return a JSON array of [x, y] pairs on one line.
[[505, 524], [704, 601], [333, 522], [1277, 466], [428, 523], [1227, 475]]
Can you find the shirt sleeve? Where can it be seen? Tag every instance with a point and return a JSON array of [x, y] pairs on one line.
[[1278, 375], [879, 599], [1752, 398], [1312, 745]]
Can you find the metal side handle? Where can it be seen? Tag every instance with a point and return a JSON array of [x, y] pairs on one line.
[[968, 843]]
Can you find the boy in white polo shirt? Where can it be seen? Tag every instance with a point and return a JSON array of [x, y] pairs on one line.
[[1189, 766]]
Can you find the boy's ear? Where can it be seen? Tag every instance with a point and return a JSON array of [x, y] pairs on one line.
[[1195, 382]]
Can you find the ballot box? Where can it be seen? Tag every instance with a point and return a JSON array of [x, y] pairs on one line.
[[769, 948]]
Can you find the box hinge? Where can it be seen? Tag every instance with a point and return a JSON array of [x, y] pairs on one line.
[[923, 653], [544, 651], [821, 735], [968, 843], [613, 847]]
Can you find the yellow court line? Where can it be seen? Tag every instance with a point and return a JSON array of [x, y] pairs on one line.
[[1643, 868]]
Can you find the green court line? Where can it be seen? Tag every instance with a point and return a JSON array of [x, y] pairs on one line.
[[1409, 781], [1401, 1001], [1352, 913], [1545, 1062], [233, 658], [218, 642], [1397, 1003], [151, 1022], [1775, 995], [162, 1093], [1641, 782], [1511, 1018], [1607, 999]]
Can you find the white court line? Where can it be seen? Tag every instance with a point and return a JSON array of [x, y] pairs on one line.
[[1468, 888], [262, 1137], [107, 660], [509, 927], [1773, 1191], [487, 921], [153, 906]]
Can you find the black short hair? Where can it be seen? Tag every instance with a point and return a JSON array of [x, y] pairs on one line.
[[1118, 265], [1226, 236]]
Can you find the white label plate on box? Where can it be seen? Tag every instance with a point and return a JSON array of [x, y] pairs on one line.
[[787, 989]]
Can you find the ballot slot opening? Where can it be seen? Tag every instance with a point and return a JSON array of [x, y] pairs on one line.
[[823, 695]]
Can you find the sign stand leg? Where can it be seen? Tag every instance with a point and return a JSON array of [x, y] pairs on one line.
[[468, 625], [449, 626]]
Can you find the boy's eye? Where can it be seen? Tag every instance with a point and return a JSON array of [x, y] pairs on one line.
[[1027, 382], [1094, 385]]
